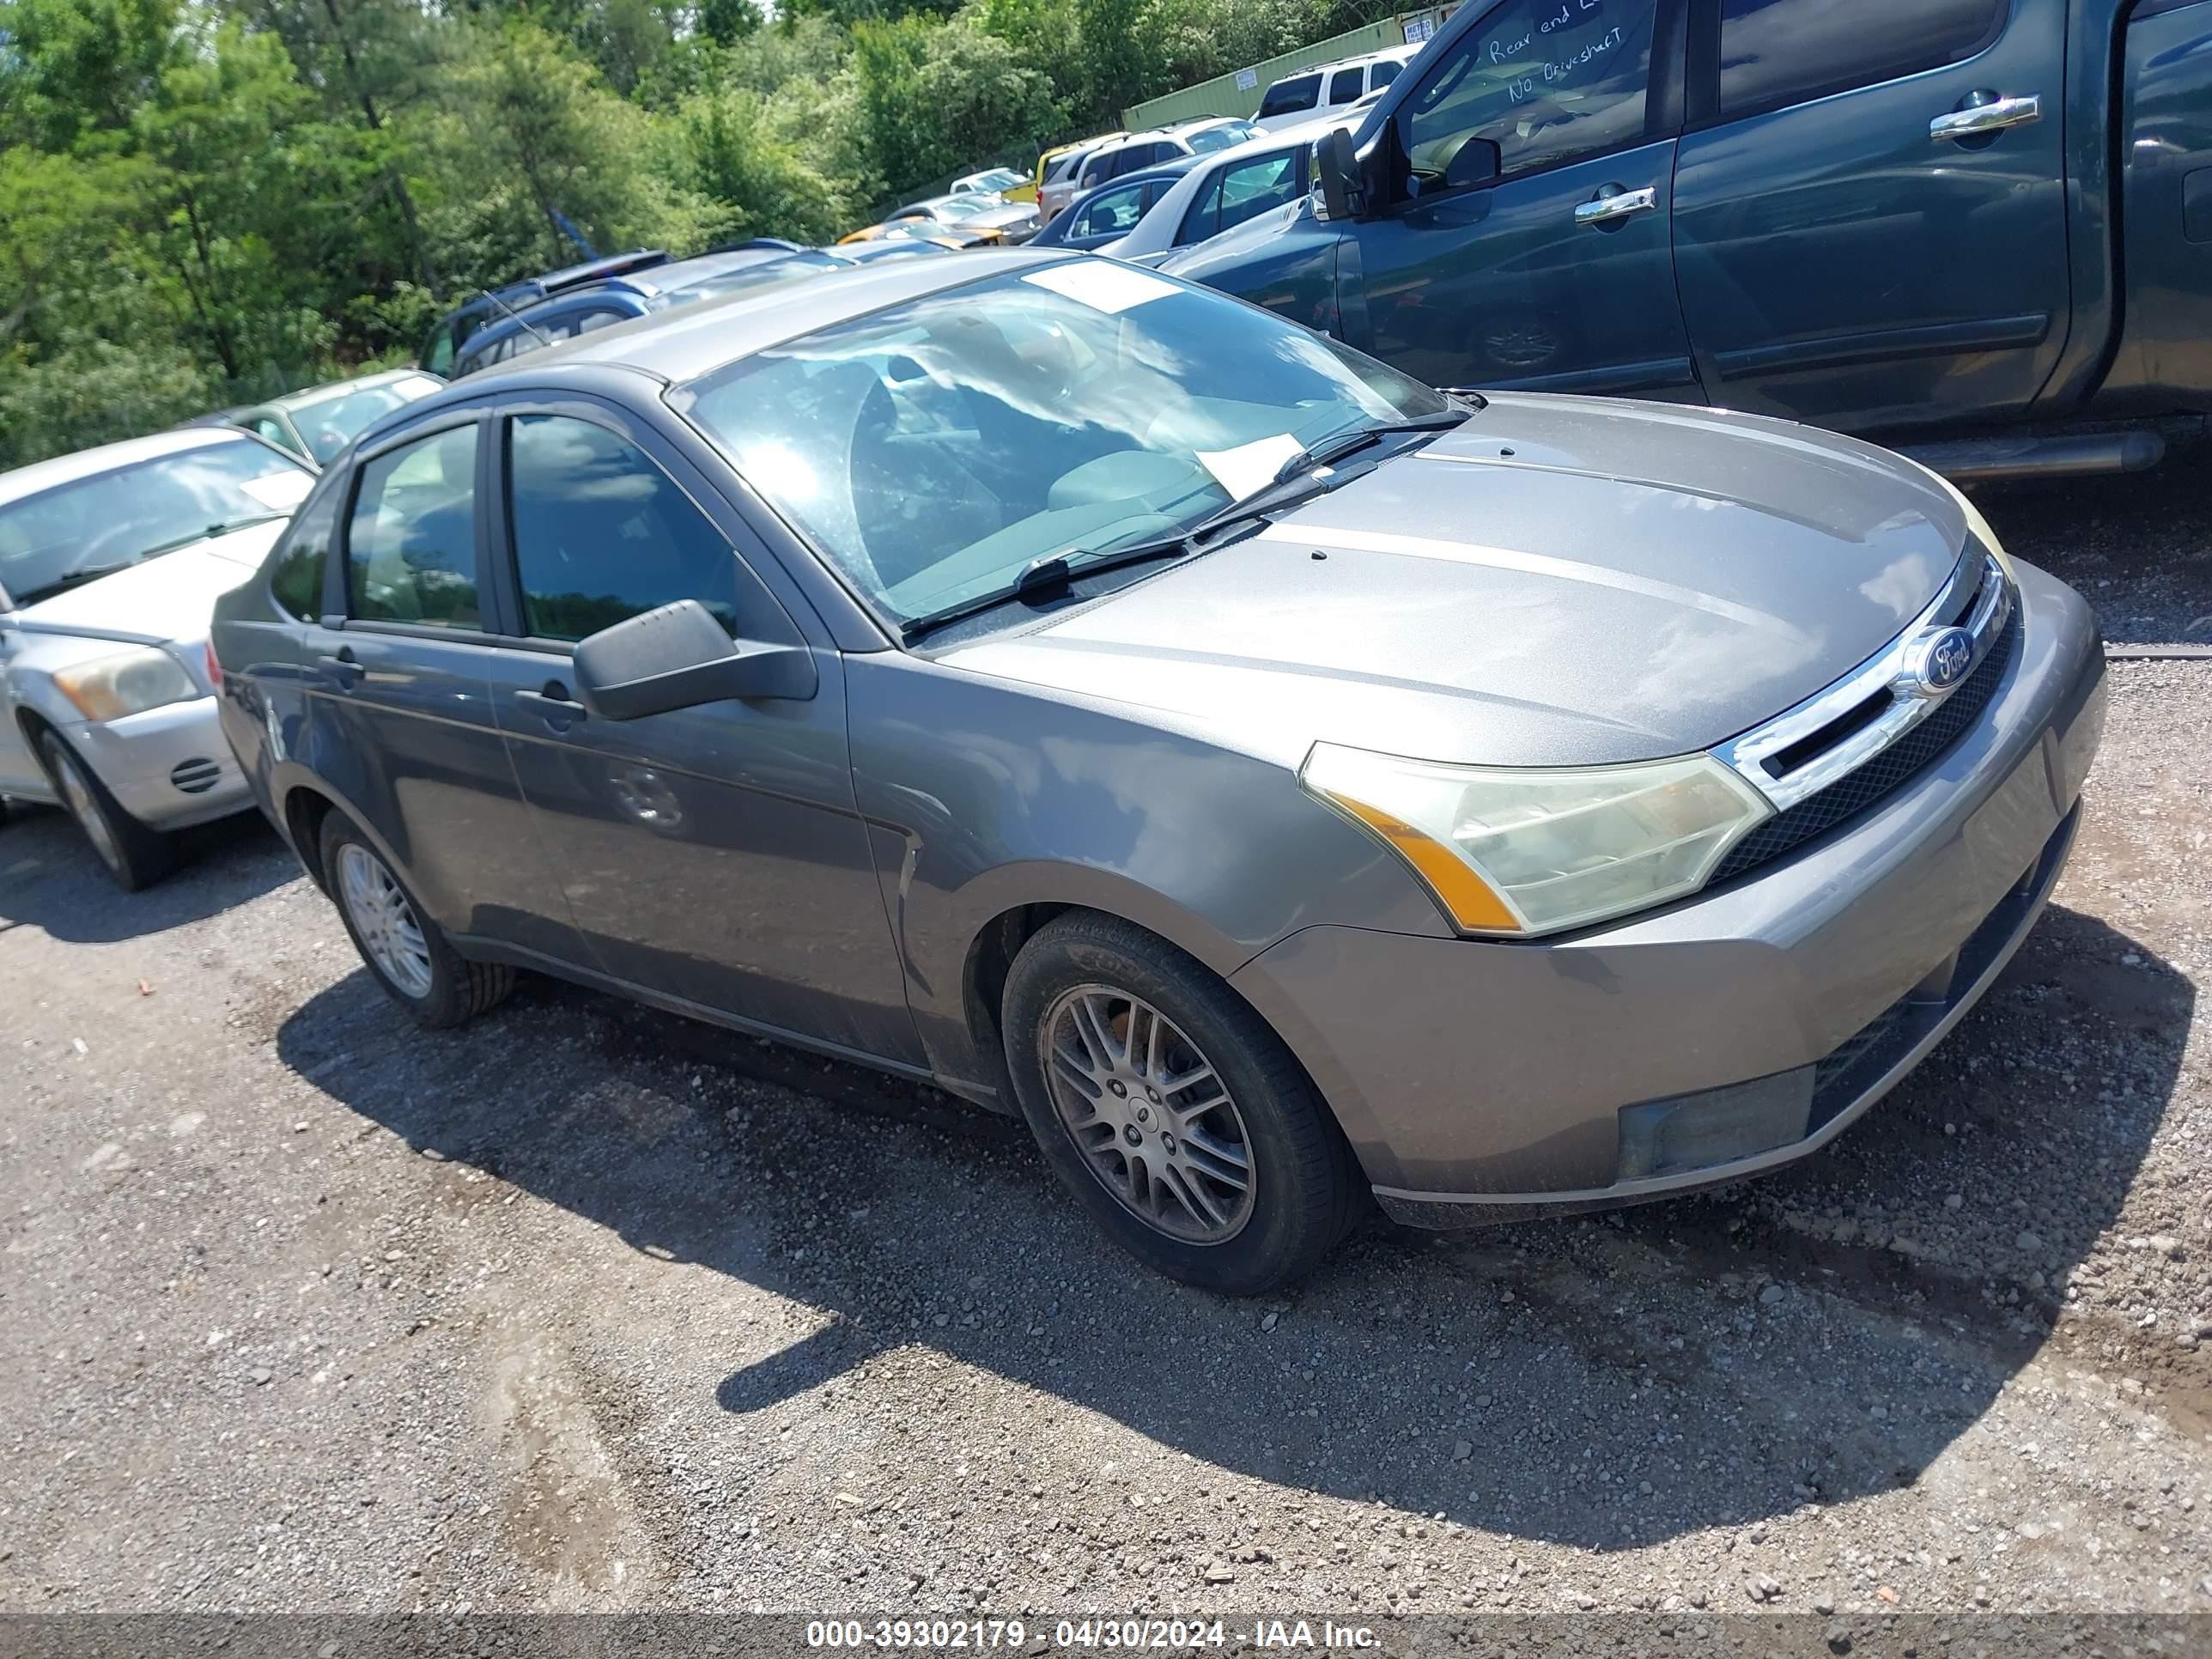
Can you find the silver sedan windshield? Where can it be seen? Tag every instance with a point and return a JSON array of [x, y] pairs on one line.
[[931, 450], [76, 531]]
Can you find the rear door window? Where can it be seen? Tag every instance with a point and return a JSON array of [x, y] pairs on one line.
[[411, 544], [296, 581], [1288, 97], [1345, 86], [1244, 191], [1775, 52], [1382, 73]]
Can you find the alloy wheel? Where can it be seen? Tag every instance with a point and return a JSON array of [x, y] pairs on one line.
[[1153, 1120], [378, 908]]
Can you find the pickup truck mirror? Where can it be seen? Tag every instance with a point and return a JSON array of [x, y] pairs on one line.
[[679, 656], [1477, 162], [1336, 169]]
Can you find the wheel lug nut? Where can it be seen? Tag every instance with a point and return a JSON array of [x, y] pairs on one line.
[[1167, 1142], [1116, 1088], [1152, 1095]]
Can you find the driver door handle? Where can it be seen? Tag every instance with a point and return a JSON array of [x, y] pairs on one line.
[[1983, 118], [554, 706], [343, 668], [1609, 210]]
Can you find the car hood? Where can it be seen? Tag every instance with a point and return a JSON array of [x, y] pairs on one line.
[[998, 218], [170, 597], [1560, 581]]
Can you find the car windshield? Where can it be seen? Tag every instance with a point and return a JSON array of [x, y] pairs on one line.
[[997, 179], [1207, 140], [97, 526], [933, 450], [332, 421]]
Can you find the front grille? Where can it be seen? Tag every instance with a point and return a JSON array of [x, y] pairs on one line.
[[1881, 776], [195, 777]]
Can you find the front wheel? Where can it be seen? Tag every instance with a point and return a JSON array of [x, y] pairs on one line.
[[410, 956], [133, 855], [1177, 1118]]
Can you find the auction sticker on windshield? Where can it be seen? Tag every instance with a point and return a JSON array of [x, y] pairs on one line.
[[1101, 284]]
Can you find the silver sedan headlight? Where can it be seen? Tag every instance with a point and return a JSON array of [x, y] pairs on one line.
[[126, 683], [1515, 853]]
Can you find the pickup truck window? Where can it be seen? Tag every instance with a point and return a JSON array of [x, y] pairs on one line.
[[1546, 88], [1778, 52], [1286, 97]]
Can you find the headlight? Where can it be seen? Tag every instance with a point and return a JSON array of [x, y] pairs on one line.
[[128, 683], [1518, 853]]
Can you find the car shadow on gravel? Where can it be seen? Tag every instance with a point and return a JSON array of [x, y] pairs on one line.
[[1608, 1383], [51, 878]]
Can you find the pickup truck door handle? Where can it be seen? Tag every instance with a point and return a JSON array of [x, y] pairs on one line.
[[1610, 209], [343, 668], [1982, 120], [554, 706]]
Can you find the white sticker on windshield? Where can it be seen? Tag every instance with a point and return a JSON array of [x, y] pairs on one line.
[[279, 490], [1101, 284], [1250, 467]]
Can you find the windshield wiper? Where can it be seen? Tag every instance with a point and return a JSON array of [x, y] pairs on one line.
[[1330, 450], [73, 579], [1295, 481], [1049, 573], [223, 527]]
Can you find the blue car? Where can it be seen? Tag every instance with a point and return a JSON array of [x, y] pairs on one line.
[[1111, 211], [638, 293], [442, 345]]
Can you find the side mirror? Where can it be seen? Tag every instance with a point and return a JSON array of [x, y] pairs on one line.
[[1477, 162], [1337, 169], [678, 657]]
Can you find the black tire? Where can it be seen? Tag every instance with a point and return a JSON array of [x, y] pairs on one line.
[[1306, 1191], [132, 855], [457, 990]]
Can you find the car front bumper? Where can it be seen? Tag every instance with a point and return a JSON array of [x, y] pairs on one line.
[[170, 766], [1721, 1037]]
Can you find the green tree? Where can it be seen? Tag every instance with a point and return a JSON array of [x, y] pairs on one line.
[[936, 97]]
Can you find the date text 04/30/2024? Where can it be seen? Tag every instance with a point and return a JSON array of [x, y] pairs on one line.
[[1166, 1634]]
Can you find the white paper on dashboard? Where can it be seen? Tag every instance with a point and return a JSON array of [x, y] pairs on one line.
[[1250, 467], [1101, 284], [278, 490]]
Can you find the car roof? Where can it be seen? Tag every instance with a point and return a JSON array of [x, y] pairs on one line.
[[682, 344], [307, 396], [675, 274], [26, 481]]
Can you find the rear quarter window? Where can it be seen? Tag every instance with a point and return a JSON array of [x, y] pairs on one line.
[[302, 554], [1288, 97]]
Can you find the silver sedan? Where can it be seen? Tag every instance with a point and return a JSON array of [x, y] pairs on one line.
[[111, 561]]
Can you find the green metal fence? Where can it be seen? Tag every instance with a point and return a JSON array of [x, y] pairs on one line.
[[1239, 94]]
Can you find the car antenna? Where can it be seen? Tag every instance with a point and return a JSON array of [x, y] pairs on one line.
[[544, 338]]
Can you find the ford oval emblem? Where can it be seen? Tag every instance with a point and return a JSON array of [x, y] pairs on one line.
[[1940, 658]]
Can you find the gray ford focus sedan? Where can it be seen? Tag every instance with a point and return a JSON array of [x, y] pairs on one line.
[[1278, 781]]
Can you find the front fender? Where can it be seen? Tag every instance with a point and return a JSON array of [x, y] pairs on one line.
[[984, 796]]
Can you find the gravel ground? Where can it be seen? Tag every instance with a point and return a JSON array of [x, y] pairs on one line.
[[586, 1308]]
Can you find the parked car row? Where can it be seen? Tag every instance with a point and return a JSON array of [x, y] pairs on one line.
[[1214, 694]]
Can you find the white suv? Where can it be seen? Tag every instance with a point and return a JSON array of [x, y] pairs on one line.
[[1139, 150], [1330, 89]]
